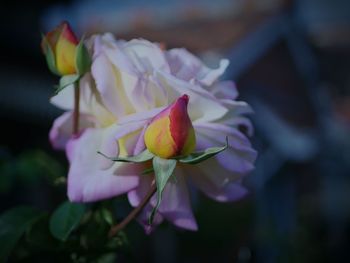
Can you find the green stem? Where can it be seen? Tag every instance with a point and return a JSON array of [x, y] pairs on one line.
[[76, 109]]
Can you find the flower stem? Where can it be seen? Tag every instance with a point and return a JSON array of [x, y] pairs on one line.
[[76, 109], [115, 229]]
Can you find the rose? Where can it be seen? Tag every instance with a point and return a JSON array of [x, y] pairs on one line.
[[65, 55], [170, 132], [60, 49], [130, 83]]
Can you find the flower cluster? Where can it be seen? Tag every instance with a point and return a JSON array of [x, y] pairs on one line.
[[137, 96]]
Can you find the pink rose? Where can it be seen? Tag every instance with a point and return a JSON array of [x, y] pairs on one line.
[[130, 83]]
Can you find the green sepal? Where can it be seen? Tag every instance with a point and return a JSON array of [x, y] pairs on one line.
[[65, 81], [82, 59], [144, 156], [65, 219], [163, 169], [198, 157], [50, 56]]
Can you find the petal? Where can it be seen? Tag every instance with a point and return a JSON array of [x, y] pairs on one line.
[[237, 108], [239, 157], [136, 196], [90, 99], [68, 34], [86, 181], [120, 140], [140, 143], [65, 98], [109, 146], [113, 50], [225, 90], [208, 76], [203, 107], [140, 116], [239, 122], [130, 81], [126, 129], [214, 130], [176, 206], [62, 128], [53, 35], [111, 88], [183, 64], [235, 115], [215, 183], [145, 56], [133, 71], [154, 95], [186, 66], [65, 51], [132, 143]]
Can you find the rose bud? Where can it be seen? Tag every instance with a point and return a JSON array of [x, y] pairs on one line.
[[60, 49], [170, 132]]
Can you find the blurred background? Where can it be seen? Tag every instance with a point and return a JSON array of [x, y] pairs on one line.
[[291, 62]]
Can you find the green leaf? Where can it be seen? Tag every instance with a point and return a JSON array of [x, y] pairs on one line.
[[65, 219], [146, 155], [13, 223], [82, 59], [198, 157], [107, 258], [163, 169], [50, 56], [107, 216]]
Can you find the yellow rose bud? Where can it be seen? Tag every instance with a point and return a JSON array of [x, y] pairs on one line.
[[171, 132], [60, 48]]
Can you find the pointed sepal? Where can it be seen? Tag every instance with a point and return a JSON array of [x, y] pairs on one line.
[[65, 81], [198, 157], [82, 59], [49, 55], [163, 170], [140, 158]]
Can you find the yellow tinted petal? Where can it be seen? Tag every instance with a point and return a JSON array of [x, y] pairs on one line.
[[158, 139], [65, 57]]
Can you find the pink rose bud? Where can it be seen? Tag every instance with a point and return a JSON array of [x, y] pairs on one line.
[[171, 132], [60, 48]]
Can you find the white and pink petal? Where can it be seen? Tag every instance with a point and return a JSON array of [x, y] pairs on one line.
[[87, 182], [62, 128], [176, 203]]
